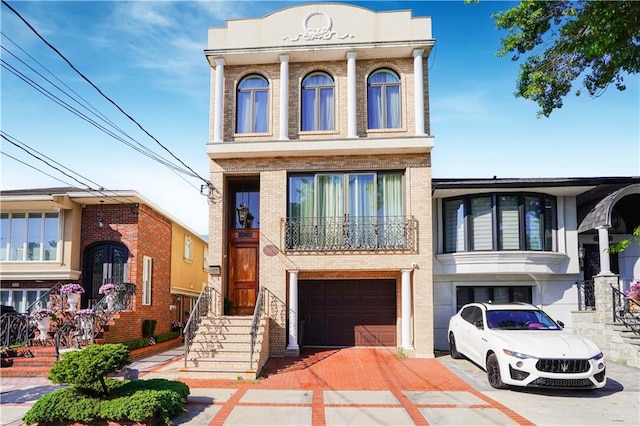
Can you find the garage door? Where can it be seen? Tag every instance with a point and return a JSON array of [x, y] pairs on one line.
[[347, 312]]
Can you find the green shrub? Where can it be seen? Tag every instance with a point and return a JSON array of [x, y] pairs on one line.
[[138, 343], [149, 328], [87, 368], [135, 401], [170, 335]]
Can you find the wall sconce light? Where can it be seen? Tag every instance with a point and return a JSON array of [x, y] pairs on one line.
[[100, 222], [214, 270], [581, 253]]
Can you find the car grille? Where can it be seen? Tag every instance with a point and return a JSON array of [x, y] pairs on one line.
[[561, 383], [563, 365]]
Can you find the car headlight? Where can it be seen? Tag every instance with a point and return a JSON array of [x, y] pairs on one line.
[[598, 356], [517, 354]]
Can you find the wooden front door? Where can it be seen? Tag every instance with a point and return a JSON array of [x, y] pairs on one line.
[[243, 270]]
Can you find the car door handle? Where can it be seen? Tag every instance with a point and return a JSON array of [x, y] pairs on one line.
[[484, 340]]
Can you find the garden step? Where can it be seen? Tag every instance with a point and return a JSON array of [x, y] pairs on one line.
[[26, 371], [40, 361], [218, 373]]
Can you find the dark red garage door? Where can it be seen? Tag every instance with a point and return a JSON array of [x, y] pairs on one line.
[[347, 312]]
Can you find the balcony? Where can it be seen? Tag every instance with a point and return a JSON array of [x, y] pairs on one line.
[[338, 234]]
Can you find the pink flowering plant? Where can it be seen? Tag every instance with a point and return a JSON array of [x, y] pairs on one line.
[[41, 313], [634, 292], [71, 288], [109, 288]]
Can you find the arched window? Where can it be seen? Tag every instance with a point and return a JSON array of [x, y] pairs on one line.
[[383, 93], [318, 109], [253, 98]]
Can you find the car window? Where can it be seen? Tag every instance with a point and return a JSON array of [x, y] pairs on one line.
[[520, 320], [473, 315]]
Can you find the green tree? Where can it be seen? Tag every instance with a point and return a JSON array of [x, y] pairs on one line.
[[598, 41], [622, 245]]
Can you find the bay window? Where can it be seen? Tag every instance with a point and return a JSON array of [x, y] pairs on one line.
[[318, 105], [488, 222], [346, 211], [29, 236]]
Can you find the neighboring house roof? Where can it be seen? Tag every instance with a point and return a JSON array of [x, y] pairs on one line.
[[87, 197], [600, 214]]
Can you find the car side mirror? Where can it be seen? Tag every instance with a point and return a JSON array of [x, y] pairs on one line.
[[560, 323], [479, 325]]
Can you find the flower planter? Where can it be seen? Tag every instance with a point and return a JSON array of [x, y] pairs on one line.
[[44, 325], [73, 299], [633, 307], [111, 301]]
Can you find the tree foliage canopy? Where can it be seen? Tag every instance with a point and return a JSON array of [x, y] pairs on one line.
[[565, 40]]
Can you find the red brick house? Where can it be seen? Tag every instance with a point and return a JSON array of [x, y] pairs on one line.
[[54, 235]]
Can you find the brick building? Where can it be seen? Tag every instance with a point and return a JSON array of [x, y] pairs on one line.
[[53, 235], [320, 148]]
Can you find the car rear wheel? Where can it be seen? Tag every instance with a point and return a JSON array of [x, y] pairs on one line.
[[453, 350], [493, 373]]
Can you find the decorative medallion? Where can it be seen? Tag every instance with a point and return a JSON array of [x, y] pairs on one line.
[[317, 33]]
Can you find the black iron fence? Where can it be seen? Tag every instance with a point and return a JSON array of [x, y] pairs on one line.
[[350, 233], [586, 295]]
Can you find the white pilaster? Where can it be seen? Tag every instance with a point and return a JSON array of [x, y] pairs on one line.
[[405, 294], [419, 91], [284, 97], [351, 96], [219, 96], [603, 246], [293, 312]]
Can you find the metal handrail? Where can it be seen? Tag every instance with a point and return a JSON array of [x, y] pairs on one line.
[[208, 301], [626, 310], [255, 322], [14, 329], [82, 328]]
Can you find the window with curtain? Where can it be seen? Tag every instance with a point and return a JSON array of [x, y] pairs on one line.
[[513, 221], [252, 103], [147, 274], [352, 210], [318, 105], [29, 236], [383, 100]]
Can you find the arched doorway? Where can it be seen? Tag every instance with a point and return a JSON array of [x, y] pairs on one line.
[[103, 263]]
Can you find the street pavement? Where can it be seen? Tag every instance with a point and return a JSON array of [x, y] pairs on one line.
[[357, 386]]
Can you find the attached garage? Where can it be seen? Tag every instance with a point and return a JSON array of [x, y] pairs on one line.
[[342, 313]]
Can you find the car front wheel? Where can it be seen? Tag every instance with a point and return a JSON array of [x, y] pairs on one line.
[[453, 350], [493, 373]]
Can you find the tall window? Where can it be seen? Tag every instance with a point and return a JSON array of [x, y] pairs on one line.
[[29, 237], [188, 248], [499, 222], [147, 273], [253, 97], [346, 211], [318, 105], [383, 100]]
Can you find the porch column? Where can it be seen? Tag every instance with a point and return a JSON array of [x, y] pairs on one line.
[[219, 98], [419, 91], [406, 309], [284, 97], [603, 246], [351, 95], [293, 312]]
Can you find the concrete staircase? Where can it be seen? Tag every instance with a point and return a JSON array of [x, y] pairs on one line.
[[221, 349]]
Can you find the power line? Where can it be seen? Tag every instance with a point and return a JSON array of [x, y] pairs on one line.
[[208, 183]]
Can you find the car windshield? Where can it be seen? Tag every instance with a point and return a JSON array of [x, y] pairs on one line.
[[520, 320]]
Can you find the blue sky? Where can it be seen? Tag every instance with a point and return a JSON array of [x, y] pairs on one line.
[[148, 58]]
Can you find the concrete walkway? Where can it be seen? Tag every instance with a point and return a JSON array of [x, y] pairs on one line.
[[353, 386]]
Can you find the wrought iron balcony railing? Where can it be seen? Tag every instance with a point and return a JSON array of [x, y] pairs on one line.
[[350, 233]]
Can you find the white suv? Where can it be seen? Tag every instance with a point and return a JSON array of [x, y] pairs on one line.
[[520, 345]]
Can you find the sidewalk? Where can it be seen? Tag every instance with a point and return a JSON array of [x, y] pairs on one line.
[[352, 386]]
